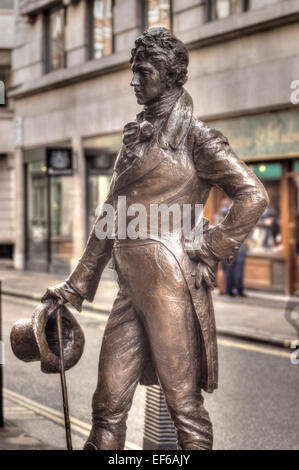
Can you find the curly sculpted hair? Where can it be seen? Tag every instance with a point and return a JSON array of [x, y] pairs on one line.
[[166, 52]]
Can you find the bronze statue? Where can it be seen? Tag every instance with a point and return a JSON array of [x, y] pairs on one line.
[[161, 328]]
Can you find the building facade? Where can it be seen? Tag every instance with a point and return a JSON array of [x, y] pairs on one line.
[[7, 200], [71, 95]]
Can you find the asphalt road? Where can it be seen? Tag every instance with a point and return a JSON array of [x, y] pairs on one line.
[[255, 407]]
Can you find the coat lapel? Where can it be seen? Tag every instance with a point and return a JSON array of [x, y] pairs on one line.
[[153, 152], [140, 166], [178, 123]]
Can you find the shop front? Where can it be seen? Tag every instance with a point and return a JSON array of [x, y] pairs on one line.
[[51, 177], [48, 209], [269, 144]]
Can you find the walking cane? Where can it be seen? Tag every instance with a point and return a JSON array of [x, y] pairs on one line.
[[63, 383]]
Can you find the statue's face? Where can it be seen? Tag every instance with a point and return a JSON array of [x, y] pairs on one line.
[[147, 82]]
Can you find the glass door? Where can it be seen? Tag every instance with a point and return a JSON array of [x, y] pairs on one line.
[[37, 221], [61, 216], [49, 220]]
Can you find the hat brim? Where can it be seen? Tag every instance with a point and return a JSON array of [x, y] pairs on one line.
[[45, 333]]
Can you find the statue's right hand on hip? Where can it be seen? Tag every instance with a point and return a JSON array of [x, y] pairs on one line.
[[205, 275]]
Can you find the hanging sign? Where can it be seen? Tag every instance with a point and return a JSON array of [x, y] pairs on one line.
[[59, 161]]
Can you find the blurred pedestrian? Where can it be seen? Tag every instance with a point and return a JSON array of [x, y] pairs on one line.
[[234, 274], [219, 216], [270, 220]]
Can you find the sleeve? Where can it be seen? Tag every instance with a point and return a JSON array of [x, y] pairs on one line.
[[218, 165], [84, 279]]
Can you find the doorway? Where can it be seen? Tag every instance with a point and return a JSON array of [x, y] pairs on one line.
[[48, 219]]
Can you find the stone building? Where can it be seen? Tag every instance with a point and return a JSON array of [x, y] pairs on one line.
[[72, 97], [6, 132]]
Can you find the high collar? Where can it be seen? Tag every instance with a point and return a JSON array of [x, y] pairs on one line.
[[177, 124], [172, 134], [162, 108]]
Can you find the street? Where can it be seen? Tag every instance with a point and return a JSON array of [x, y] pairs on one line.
[[255, 407]]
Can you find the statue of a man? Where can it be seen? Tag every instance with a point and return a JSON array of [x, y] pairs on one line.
[[161, 328]]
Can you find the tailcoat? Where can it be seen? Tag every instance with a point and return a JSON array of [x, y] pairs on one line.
[[179, 164]]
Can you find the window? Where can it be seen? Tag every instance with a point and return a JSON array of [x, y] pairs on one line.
[[4, 84], [100, 164], [266, 235], [219, 9], [296, 203], [7, 4], [265, 238], [157, 13], [49, 202], [100, 28], [54, 27]]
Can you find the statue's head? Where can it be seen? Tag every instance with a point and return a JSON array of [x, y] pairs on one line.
[[159, 63]]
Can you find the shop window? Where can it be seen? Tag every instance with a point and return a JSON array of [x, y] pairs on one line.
[[49, 218], [54, 39], [219, 9], [295, 166], [297, 217], [100, 164], [7, 4], [295, 169], [157, 13], [6, 251], [4, 84], [100, 28], [266, 236]]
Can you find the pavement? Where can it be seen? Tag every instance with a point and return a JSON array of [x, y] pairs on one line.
[[29, 425], [13, 437], [260, 317], [12, 434]]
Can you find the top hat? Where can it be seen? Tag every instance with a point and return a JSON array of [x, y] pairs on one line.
[[37, 338]]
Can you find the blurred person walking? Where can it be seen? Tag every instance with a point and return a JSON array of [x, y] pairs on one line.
[[231, 277], [219, 216], [234, 274]]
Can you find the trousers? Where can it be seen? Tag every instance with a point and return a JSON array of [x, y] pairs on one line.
[[152, 316], [234, 274]]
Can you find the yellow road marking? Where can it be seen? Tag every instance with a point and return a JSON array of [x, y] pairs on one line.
[[17, 410], [44, 413], [77, 425], [45, 408], [249, 347], [232, 344]]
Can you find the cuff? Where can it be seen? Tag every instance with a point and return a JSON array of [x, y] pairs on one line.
[[222, 247], [66, 292], [72, 296], [215, 247]]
